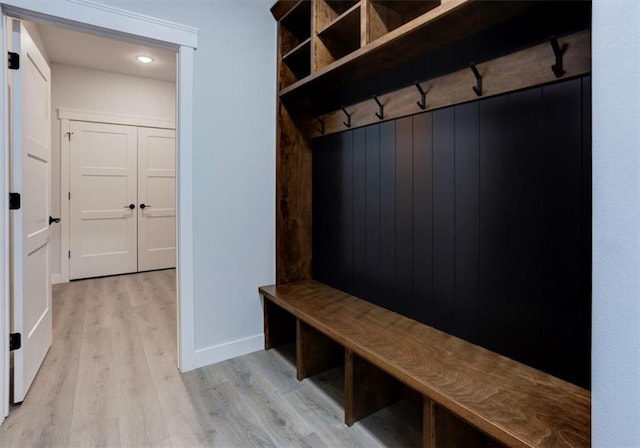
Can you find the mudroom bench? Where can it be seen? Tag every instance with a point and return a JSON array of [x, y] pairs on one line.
[[470, 396]]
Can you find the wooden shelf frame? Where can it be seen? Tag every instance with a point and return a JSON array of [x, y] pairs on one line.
[[338, 58], [432, 28], [519, 70], [442, 25], [385, 16], [328, 11], [295, 26], [298, 59], [338, 38], [343, 23]]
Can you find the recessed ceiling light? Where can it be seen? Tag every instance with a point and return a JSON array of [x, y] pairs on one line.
[[144, 59]]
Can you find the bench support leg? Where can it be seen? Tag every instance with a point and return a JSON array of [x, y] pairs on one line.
[[367, 389], [279, 326], [441, 429], [315, 351], [428, 424]]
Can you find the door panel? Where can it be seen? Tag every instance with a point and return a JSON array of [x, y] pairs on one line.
[[31, 174], [157, 190], [103, 230]]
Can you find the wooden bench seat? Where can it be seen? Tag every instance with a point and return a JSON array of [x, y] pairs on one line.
[[514, 404]]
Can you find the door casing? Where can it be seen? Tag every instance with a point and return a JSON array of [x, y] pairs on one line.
[[107, 21]]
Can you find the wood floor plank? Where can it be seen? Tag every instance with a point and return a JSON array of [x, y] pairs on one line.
[[154, 313], [278, 416], [110, 379], [143, 421], [236, 421], [277, 366], [312, 440]]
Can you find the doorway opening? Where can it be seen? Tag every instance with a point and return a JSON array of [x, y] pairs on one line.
[[140, 30]]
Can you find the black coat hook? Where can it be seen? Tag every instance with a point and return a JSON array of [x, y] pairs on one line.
[[422, 104], [558, 52], [348, 122], [321, 128], [380, 113], [478, 87]]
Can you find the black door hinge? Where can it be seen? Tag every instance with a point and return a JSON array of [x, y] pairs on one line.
[[14, 201], [14, 61], [69, 254], [15, 341]]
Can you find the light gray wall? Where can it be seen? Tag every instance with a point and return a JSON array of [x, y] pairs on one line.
[[234, 162], [97, 91], [616, 224]]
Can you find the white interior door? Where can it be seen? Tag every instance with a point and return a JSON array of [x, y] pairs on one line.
[[103, 201], [31, 171], [157, 199]]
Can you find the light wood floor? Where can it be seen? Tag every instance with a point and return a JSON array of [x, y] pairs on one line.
[[110, 380]]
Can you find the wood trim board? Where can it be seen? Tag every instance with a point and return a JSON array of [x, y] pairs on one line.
[[104, 117], [516, 71]]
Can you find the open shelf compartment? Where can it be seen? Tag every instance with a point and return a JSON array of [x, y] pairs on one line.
[[339, 37], [441, 26], [387, 15], [295, 26], [298, 60]]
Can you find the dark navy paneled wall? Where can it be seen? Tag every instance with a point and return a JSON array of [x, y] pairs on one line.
[[474, 219]]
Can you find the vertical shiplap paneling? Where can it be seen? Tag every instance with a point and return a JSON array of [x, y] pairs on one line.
[[372, 211], [319, 197], [443, 217], [526, 231], [387, 213], [494, 247], [359, 213], [345, 204], [474, 219], [405, 302], [467, 221], [326, 190], [422, 176], [562, 146]]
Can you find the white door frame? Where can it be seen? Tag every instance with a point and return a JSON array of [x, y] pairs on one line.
[[66, 116], [107, 21]]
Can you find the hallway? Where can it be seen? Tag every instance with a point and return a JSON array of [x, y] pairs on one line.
[[110, 379]]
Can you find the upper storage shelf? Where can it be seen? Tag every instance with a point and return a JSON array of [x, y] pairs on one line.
[[387, 33], [339, 36], [296, 25], [295, 41], [385, 16]]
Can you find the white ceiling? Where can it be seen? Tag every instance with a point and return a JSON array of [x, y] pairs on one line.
[[86, 50]]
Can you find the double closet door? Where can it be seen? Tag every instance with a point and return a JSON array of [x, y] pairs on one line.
[[122, 199]]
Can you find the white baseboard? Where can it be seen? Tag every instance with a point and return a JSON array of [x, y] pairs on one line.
[[57, 278], [211, 355]]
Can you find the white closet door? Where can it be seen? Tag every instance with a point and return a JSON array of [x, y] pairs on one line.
[[157, 199], [103, 204]]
